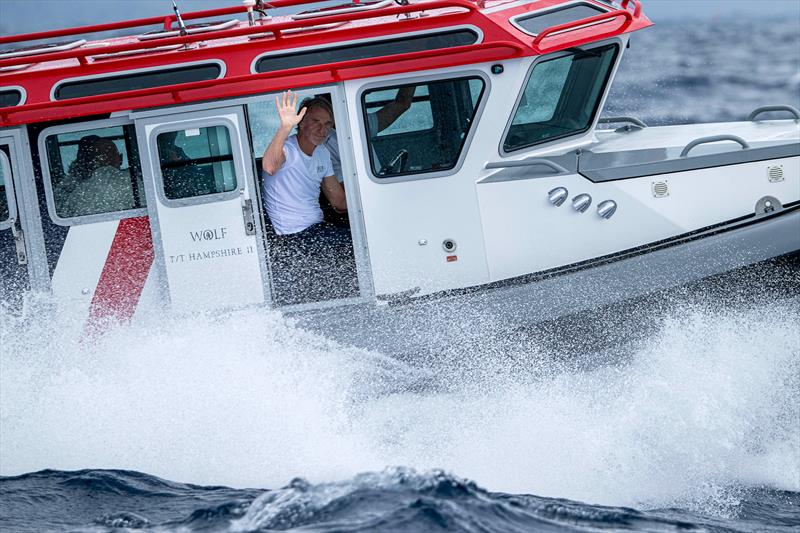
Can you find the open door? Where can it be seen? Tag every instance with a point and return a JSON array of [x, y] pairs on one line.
[[201, 201], [13, 250]]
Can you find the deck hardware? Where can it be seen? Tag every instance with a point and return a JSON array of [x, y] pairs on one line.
[[84, 291], [712, 139], [775, 173], [497, 69], [557, 196], [422, 242], [581, 202], [606, 209], [771, 108], [247, 214], [19, 242], [449, 245], [768, 204], [660, 189], [631, 123]]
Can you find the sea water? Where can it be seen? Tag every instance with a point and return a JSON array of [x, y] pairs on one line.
[[677, 412]]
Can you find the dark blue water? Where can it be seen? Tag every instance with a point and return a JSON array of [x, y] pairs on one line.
[[688, 420]]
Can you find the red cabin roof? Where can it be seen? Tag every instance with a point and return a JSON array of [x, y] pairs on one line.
[[235, 45]]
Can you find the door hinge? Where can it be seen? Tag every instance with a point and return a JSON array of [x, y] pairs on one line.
[[249, 220], [19, 242]]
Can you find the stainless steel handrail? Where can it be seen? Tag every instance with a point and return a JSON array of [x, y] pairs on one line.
[[711, 139], [614, 120], [768, 108], [529, 163]]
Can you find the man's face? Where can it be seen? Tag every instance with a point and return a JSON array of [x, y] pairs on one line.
[[315, 126]]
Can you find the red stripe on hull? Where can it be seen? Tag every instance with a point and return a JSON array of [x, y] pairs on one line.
[[124, 274]]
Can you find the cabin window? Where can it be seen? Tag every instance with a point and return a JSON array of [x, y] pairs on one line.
[[130, 81], [561, 97], [534, 23], [420, 128], [196, 162], [10, 97], [365, 50], [5, 176], [95, 171]]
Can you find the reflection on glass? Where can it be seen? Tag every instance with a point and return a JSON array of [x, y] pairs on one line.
[[90, 172], [196, 162], [4, 212]]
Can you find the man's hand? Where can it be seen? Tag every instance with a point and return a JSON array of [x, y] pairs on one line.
[[287, 110]]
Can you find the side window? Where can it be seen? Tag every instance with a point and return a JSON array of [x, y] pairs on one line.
[[414, 129], [95, 171], [561, 97], [196, 162], [5, 174]]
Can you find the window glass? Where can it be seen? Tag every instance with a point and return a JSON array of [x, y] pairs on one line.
[[561, 97], [4, 211], [537, 22], [137, 80], [95, 171], [196, 162], [413, 129]]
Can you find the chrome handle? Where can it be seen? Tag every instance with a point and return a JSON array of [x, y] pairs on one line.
[[529, 163], [713, 138], [614, 120]]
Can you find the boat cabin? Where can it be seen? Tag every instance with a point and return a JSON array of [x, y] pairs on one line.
[[130, 167]]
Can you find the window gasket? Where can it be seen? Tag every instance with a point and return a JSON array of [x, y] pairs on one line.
[[389, 84], [8, 182], [47, 178], [233, 135], [595, 112]]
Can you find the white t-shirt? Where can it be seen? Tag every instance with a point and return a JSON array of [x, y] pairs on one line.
[[291, 195]]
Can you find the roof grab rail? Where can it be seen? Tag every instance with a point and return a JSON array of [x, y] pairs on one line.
[[637, 6], [711, 139], [582, 23], [769, 108], [633, 123]]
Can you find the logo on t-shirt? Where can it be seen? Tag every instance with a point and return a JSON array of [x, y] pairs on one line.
[[320, 168]]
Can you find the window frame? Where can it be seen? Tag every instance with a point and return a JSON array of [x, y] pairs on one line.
[[388, 84], [158, 177], [620, 45], [8, 182], [47, 181]]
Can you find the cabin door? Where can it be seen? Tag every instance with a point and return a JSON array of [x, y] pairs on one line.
[[201, 200], [13, 250]]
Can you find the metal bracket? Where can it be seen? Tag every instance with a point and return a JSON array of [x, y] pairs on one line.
[[19, 243], [247, 214]]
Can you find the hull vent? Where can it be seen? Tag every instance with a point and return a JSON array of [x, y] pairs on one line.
[[660, 189], [775, 173]]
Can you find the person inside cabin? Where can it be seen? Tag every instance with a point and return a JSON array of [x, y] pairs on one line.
[[99, 183], [313, 259]]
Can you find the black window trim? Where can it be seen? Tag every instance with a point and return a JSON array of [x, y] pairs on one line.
[[598, 105], [173, 66], [366, 155], [399, 36], [23, 94], [47, 178]]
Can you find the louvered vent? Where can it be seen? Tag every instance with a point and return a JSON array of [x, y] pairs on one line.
[[775, 173], [660, 189]]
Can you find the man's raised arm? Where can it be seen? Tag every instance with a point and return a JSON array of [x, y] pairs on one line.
[[274, 158]]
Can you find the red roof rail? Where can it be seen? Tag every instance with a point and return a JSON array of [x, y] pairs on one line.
[[637, 7], [272, 27], [569, 41]]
